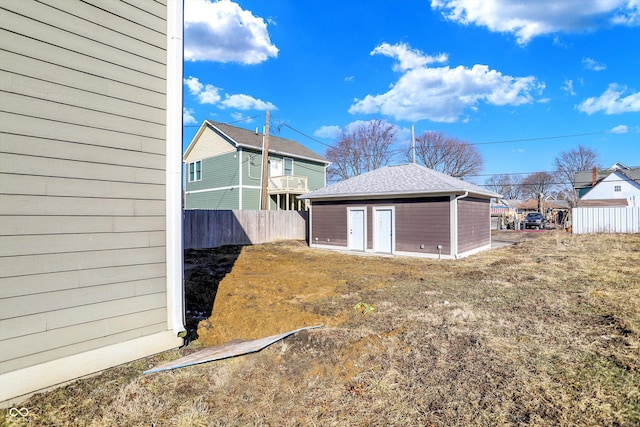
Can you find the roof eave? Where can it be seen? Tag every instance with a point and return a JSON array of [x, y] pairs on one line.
[[283, 153], [410, 194]]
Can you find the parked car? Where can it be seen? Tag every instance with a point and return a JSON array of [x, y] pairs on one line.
[[534, 219]]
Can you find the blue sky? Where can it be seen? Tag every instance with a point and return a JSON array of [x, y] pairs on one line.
[[524, 80]]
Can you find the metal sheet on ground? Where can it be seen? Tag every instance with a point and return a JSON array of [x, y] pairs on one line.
[[224, 351]]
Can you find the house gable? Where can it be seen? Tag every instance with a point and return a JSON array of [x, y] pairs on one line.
[[208, 143], [616, 187]]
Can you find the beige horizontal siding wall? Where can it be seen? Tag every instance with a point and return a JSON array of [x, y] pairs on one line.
[[209, 144], [82, 176]]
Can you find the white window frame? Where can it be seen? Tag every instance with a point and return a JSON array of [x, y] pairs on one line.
[[617, 188], [286, 160], [196, 175]]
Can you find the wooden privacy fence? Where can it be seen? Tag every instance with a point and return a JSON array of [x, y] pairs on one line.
[[605, 220], [210, 229]]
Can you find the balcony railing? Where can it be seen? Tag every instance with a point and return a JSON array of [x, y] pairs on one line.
[[288, 184]]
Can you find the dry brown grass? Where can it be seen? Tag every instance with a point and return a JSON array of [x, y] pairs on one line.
[[545, 332]]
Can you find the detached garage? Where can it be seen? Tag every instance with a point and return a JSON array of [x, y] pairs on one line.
[[402, 210]]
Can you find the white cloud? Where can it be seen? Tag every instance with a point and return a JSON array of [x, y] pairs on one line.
[[630, 15], [187, 117], [408, 58], [568, 87], [209, 94], [442, 94], [612, 102], [619, 129], [221, 31], [527, 20], [591, 64], [238, 116], [206, 94], [246, 102], [194, 85], [329, 132]]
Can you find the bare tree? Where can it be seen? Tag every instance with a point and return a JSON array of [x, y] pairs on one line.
[[447, 154], [572, 161], [361, 149], [536, 183], [507, 185]]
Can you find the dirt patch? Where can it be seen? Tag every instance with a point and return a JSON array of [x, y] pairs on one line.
[[276, 288]]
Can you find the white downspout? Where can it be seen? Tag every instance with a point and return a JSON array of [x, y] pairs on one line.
[[454, 224], [174, 243], [240, 178]]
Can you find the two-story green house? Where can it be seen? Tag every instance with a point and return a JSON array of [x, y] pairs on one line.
[[224, 170]]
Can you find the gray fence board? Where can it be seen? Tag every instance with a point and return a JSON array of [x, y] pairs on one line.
[[605, 220], [213, 228]]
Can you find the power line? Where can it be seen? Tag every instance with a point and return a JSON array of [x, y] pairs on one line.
[[541, 138]]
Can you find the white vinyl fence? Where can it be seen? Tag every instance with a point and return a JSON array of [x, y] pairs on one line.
[[605, 220], [210, 228]]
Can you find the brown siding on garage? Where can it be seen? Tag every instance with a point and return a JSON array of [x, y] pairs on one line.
[[424, 222], [474, 229], [418, 221], [329, 223]]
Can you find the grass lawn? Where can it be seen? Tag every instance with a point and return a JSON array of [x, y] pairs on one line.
[[545, 332]]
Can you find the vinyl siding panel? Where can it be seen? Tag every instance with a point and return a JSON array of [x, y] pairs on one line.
[[43, 225], [474, 227], [69, 136], [329, 226], [58, 343], [250, 198], [21, 165], [76, 15], [82, 176], [217, 172], [85, 62], [216, 200], [210, 144], [313, 171], [423, 222], [64, 31], [251, 168], [418, 221], [40, 283]]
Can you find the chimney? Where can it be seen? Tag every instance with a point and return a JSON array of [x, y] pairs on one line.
[[594, 177]]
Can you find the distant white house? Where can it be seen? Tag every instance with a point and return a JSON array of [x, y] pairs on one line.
[[618, 185]]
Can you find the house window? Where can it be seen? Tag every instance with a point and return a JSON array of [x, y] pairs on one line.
[[195, 171], [617, 188], [288, 166]]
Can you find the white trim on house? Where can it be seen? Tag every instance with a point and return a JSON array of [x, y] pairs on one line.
[[375, 228], [453, 225], [20, 384], [197, 172], [175, 266], [209, 190], [364, 223], [239, 154]]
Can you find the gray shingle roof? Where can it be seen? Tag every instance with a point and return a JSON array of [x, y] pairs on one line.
[[584, 179], [253, 140], [407, 180]]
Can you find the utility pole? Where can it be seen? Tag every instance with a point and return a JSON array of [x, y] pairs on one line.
[[265, 165]]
